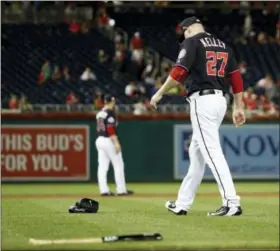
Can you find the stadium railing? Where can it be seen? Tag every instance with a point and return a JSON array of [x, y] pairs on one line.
[[126, 111], [81, 108]]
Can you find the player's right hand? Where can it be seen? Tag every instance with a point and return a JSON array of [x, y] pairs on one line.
[[155, 99], [238, 117]]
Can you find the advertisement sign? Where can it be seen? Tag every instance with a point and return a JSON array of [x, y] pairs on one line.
[[252, 151], [44, 152]]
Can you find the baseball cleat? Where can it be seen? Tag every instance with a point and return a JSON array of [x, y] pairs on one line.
[[108, 194], [227, 211], [128, 192], [171, 206]]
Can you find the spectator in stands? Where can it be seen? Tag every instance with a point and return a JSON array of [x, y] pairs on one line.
[[70, 10], [71, 98], [272, 91], [139, 107], [265, 85], [141, 89], [118, 38], [164, 69], [252, 103], [84, 28], [75, 27], [134, 91], [119, 58], [174, 91], [262, 38], [13, 102], [247, 28], [178, 30], [136, 42], [250, 100], [66, 74], [23, 102], [41, 77], [177, 90], [45, 73], [131, 89], [103, 19], [250, 74], [136, 47], [157, 85], [277, 35], [102, 57], [56, 76], [98, 102], [89, 12], [88, 75], [266, 106], [149, 73]]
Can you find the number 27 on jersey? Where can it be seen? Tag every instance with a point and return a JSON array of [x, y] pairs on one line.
[[213, 58]]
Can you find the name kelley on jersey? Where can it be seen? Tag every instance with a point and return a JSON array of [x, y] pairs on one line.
[[212, 42]]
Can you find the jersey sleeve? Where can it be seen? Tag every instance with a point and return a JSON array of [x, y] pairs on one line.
[[232, 64], [234, 75], [186, 54]]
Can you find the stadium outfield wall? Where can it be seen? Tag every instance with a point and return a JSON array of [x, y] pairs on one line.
[[61, 147]]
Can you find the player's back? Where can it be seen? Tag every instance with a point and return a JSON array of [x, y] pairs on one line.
[[213, 61], [105, 119]]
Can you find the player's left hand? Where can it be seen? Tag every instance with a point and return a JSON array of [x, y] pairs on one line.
[[118, 148], [238, 117], [155, 99]]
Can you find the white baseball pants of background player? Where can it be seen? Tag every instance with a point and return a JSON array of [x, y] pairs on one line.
[[106, 154], [207, 114]]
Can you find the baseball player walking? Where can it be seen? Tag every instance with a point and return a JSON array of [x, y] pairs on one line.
[[109, 149], [207, 62]]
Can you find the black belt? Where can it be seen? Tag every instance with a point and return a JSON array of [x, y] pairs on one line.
[[208, 91]]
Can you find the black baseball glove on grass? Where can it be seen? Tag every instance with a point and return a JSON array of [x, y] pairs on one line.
[[85, 205]]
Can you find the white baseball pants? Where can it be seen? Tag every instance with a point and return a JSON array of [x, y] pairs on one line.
[[106, 154], [207, 114]]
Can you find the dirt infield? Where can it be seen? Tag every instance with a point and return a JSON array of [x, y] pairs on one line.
[[150, 195]]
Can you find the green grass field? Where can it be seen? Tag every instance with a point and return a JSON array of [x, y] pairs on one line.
[[41, 211]]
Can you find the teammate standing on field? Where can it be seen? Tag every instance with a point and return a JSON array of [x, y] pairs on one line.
[[207, 62], [109, 149]]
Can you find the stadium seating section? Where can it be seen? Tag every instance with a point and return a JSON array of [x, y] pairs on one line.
[[26, 46]]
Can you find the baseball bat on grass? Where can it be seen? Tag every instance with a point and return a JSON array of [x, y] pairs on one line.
[[104, 239]]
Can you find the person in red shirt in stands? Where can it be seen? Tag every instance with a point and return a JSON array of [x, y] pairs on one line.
[[266, 105], [247, 94], [98, 100], [178, 30], [136, 47], [103, 18], [71, 98], [13, 102], [252, 103], [250, 100], [75, 27], [136, 42]]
